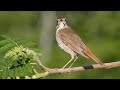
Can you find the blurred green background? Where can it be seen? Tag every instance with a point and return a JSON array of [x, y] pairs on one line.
[[100, 31]]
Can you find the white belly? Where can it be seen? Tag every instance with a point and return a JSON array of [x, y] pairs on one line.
[[63, 46]]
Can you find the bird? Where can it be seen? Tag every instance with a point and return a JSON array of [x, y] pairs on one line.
[[69, 41]]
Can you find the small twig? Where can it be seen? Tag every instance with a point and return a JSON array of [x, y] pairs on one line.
[[33, 63], [34, 70]]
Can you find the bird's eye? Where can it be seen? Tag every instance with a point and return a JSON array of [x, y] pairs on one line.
[[57, 21], [65, 19]]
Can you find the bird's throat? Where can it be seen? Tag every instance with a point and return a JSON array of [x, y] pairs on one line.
[[61, 26]]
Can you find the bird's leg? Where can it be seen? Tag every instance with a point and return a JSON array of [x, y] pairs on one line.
[[73, 61], [72, 57]]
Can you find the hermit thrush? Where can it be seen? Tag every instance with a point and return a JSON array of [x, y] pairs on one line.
[[71, 43]]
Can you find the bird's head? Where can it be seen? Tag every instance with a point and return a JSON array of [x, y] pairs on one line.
[[61, 23]]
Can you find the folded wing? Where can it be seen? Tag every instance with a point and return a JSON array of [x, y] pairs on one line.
[[73, 41]]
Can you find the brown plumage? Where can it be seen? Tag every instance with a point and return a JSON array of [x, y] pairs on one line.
[[70, 41]]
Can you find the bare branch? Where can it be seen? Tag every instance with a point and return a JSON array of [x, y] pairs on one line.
[[82, 68], [74, 69]]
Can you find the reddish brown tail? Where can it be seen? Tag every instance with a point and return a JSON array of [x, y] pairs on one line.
[[92, 56]]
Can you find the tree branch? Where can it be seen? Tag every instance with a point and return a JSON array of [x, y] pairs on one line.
[[74, 69]]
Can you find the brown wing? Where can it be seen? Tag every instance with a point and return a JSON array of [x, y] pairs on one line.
[[73, 41]]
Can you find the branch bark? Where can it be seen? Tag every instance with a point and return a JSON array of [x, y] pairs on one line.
[[74, 69]]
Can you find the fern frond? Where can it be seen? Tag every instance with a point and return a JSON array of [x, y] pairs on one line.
[[6, 47], [10, 39], [4, 42], [16, 61]]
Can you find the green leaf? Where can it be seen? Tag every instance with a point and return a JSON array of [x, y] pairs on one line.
[[8, 62], [4, 64], [2, 67], [4, 42], [28, 68], [5, 36], [16, 72], [3, 73], [23, 70], [6, 47], [20, 71], [11, 73]]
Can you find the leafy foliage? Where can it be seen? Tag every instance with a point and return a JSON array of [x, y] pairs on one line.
[[16, 61]]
